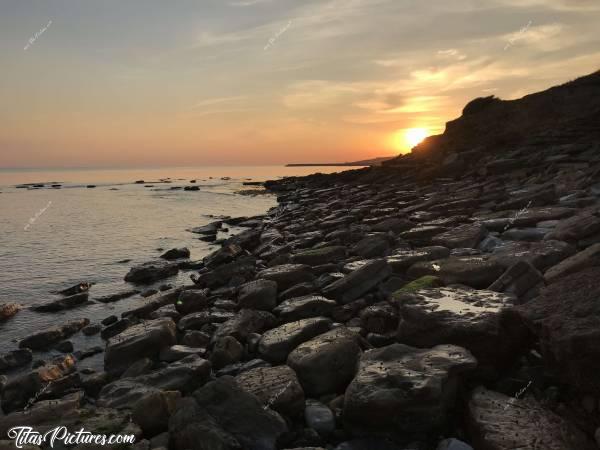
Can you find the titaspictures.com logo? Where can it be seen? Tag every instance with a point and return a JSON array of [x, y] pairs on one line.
[[28, 436]]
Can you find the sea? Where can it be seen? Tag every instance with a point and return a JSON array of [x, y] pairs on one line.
[[93, 225]]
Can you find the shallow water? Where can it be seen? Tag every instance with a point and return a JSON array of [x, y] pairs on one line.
[[51, 239]]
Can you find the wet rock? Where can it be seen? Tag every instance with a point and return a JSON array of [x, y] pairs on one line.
[[474, 271], [498, 422], [276, 344], [298, 290], [319, 417], [151, 271], [401, 260], [7, 310], [287, 275], [176, 253], [590, 257], [239, 414], [196, 321], [140, 367], [326, 363], [167, 311], [379, 318], [109, 320], [224, 255], [402, 389], [211, 228], [304, 307], [566, 317], [115, 328], [20, 389], [14, 359], [46, 338], [227, 350], [276, 388], [92, 329], [372, 247], [241, 367], [195, 339], [481, 321], [318, 256], [394, 224], [453, 444], [118, 296], [191, 300], [521, 280], [62, 303], [541, 255], [231, 274], [64, 347], [152, 411], [244, 323], [145, 339], [422, 234], [259, 294], [576, 228], [358, 282], [463, 236], [184, 376], [75, 289], [177, 352]]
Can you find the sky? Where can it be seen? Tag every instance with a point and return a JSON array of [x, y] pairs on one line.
[[131, 83]]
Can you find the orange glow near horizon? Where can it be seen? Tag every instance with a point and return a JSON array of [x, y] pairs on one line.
[[405, 140]]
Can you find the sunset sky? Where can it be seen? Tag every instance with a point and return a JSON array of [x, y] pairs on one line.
[[151, 82]]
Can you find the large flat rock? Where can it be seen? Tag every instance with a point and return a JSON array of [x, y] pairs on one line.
[[498, 422], [400, 389], [358, 282], [481, 321], [474, 271]]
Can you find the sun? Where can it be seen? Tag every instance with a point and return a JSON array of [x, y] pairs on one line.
[[414, 136]]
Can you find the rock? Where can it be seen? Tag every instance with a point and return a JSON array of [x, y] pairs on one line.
[[140, 367], [46, 338], [372, 247], [422, 234], [259, 294], [191, 300], [76, 289], [401, 260], [393, 224], [379, 318], [481, 321], [525, 234], [326, 363], [276, 388], [92, 329], [287, 275], [521, 280], [240, 414], [109, 320], [463, 236], [241, 367], [14, 359], [167, 311], [151, 271], [244, 323], [498, 422], [176, 253], [359, 282], [227, 350], [319, 417], [231, 274], [145, 339], [405, 390], [298, 290], [575, 228], [474, 271], [276, 344], [566, 317], [540, 254], [318, 256], [211, 228], [177, 352], [196, 321], [224, 255], [590, 257], [7, 310], [195, 339], [20, 389], [304, 307], [184, 376], [115, 328], [152, 411], [453, 444], [62, 303]]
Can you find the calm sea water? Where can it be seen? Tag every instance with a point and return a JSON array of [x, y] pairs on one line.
[[51, 239]]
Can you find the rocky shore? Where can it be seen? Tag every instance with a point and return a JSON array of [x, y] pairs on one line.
[[446, 300]]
